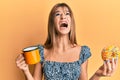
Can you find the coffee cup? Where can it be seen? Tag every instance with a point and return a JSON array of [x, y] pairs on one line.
[[31, 54]]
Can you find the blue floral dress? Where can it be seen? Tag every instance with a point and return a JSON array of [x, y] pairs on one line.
[[63, 70]]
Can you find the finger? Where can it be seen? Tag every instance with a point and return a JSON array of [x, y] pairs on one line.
[[113, 64], [109, 69], [116, 60], [21, 65], [23, 62], [104, 68], [21, 58]]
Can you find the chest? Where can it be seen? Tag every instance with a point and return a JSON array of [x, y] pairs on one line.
[[70, 55], [62, 71]]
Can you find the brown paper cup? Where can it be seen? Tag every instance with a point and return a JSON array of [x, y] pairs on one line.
[[31, 54]]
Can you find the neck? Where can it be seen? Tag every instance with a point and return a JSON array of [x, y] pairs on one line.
[[62, 43]]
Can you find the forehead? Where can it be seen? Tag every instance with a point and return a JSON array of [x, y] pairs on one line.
[[60, 9]]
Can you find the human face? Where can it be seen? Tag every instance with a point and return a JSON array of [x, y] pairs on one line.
[[62, 20]]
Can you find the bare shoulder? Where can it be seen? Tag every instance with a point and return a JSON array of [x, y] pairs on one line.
[[45, 51], [77, 47]]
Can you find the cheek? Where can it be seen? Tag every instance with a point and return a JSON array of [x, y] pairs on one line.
[[56, 24], [56, 21], [69, 20], [70, 24]]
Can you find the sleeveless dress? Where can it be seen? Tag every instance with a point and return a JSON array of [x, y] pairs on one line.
[[63, 70]]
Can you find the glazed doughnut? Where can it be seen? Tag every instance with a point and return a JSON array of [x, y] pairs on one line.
[[110, 52]]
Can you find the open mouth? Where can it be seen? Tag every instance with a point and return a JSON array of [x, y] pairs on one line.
[[64, 25]]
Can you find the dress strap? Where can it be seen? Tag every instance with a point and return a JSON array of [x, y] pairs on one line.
[[41, 51], [84, 53]]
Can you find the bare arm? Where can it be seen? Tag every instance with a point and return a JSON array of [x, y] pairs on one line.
[[84, 75], [20, 62], [38, 72], [107, 69]]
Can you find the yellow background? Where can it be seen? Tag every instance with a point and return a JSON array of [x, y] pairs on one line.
[[24, 23]]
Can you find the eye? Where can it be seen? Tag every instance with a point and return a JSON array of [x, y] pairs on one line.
[[68, 13], [57, 14]]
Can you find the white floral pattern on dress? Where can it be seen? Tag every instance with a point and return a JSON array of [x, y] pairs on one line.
[[64, 70]]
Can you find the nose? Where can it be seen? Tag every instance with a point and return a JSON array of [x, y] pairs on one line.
[[63, 16]]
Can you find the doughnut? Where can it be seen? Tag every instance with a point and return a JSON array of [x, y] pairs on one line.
[[110, 52]]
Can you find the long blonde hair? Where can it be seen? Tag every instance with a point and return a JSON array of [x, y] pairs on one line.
[[51, 27]]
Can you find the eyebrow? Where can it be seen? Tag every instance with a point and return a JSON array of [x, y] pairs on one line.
[[59, 11]]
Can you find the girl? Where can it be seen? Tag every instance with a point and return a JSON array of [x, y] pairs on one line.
[[61, 57]]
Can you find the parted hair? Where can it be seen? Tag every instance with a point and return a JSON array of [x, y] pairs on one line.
[[51, 27]]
